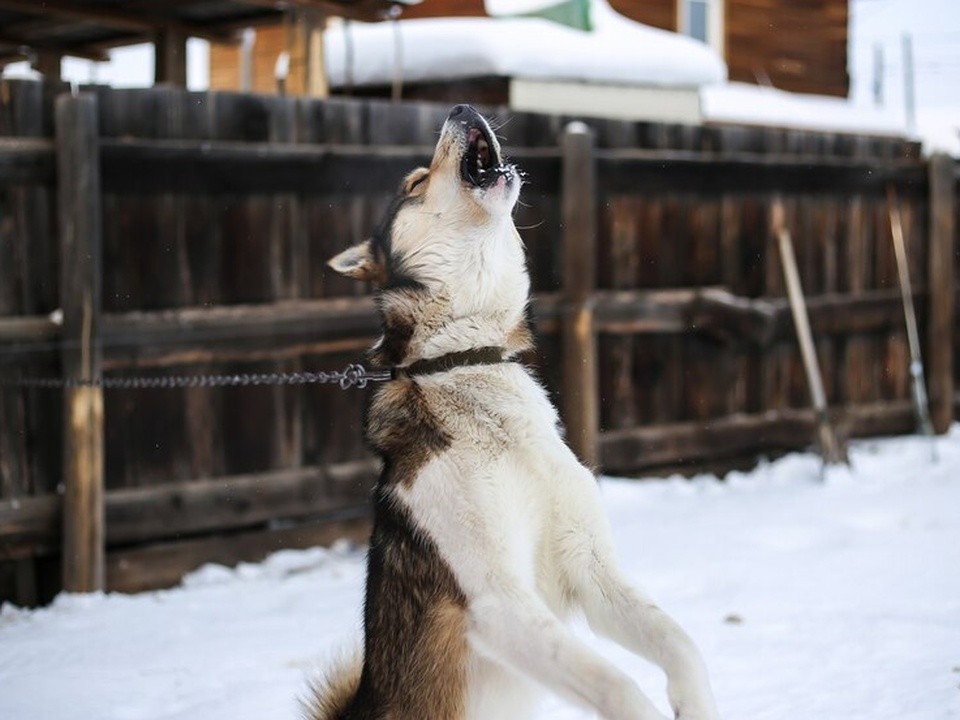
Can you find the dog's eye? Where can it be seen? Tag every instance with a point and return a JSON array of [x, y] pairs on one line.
[[416, 183]]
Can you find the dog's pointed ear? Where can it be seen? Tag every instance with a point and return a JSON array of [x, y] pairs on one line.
[[359, 262]]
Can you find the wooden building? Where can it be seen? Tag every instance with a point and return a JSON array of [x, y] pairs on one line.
[[793, 45]]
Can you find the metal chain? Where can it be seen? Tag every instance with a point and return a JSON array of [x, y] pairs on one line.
[[353, 375]]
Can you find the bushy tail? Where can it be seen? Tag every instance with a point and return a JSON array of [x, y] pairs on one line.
[[332, 692]]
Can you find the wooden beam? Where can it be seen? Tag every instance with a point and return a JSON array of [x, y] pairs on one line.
[[31, 526], [362, 10], [224, 167], [78, 191], [164, 565], [27, 161], [22, 46], [238, 332], [232, 168], [635, 172], [580, 386], [634, 449], [218, 504], [942, 282], [116, 18]]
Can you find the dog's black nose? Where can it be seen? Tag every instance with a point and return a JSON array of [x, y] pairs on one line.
[[460, 111]]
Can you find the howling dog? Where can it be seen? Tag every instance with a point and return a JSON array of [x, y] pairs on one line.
[[488, 532]]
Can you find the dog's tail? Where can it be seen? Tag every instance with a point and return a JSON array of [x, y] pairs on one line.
[[332, 692]]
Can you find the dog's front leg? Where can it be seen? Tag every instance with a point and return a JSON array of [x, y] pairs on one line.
[[514, 627], [616, 609]]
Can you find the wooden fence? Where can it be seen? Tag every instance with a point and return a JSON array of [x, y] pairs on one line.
[[167, 232]]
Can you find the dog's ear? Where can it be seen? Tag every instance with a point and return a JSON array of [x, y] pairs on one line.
[[359, 262]]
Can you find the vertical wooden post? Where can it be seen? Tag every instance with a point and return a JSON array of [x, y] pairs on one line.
[[579, 402], [78, 196], [170, 58], [941, 284], [48, 63]]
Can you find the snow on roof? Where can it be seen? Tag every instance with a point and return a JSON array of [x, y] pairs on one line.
[[743, 104], [618, 51]]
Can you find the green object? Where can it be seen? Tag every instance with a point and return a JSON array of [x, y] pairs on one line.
[[573, 13]]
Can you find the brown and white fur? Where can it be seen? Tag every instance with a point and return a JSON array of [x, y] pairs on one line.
[[488, 532]]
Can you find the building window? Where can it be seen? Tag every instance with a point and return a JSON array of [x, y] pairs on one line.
[[703, 20], [697, 19]]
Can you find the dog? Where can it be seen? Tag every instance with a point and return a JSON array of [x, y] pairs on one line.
[[488, 532]]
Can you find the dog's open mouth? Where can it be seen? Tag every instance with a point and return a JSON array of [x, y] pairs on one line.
[[481, 165]]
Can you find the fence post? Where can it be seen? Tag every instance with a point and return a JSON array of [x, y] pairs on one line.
[[941, 263], [579, 401], [79, 217]]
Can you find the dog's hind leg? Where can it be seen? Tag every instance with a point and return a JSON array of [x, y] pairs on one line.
[[514, 627]]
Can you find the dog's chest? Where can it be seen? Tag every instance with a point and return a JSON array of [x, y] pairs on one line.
[[495, 474]]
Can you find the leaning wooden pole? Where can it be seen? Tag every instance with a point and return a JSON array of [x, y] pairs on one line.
[[832, 449], [579, 404], [941, 285], [920, 404], [78, 196]]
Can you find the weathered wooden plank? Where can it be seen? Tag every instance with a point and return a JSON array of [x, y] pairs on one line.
[[31, 526], [633, 449], [579, 401], [78, 182], [942, 283], [27, 161], [232, 168], [831, 446], [189, 335], [168, 510], [163, 565]]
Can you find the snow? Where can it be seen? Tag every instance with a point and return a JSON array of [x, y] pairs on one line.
[[618, 51], [742, 103], [809, 598]]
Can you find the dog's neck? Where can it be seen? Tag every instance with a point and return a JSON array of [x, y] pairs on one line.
[[418, 326]]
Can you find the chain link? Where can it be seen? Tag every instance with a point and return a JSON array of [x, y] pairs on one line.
[[353, 375]]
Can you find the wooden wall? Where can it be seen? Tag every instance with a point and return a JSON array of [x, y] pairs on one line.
[[215, 237], [658, 13], [800, 45]]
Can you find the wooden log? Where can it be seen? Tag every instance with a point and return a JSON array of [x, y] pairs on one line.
[[579, 355], [78, 184], [941, 282], [634, 449]]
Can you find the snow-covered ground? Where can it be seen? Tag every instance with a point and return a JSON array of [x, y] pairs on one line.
[[809, 599]]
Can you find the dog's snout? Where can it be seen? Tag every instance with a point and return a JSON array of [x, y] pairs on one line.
[[461, 112]]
